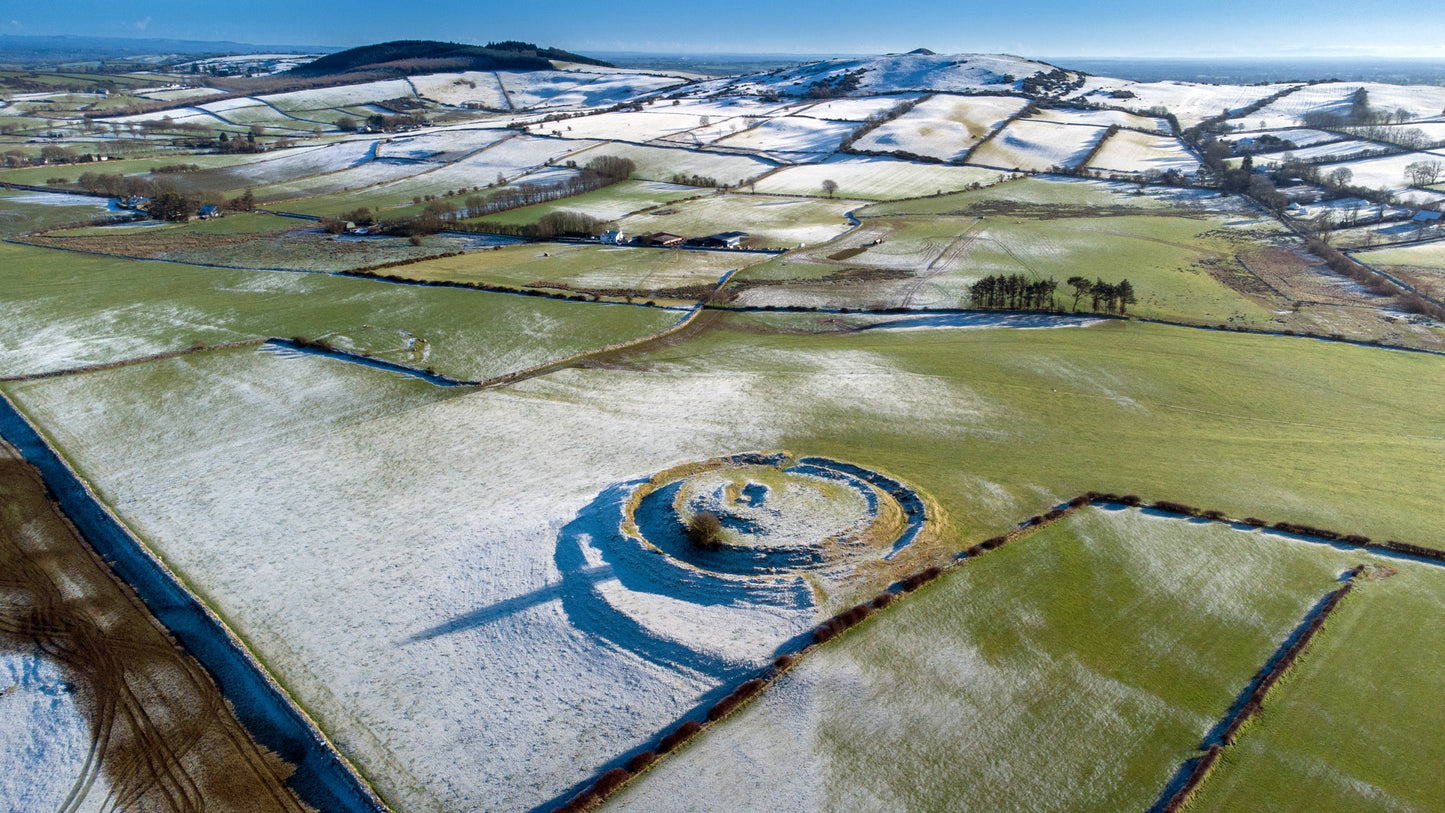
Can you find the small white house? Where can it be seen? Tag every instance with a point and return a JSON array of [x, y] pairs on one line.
[[611, 238]]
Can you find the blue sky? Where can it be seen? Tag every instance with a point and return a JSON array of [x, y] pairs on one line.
[[1026, 27]]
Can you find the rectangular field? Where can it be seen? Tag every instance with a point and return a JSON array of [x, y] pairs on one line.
[[1144, 154], [1036, 145], [772, 221], [1353, 727], [1070, 671], [874, 178], [943, 127], [66, 310]]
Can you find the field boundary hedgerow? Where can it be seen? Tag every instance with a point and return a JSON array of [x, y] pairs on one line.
[[1194, 771], [1190, 774]]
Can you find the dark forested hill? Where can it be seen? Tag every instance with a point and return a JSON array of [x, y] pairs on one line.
[[427, 56]]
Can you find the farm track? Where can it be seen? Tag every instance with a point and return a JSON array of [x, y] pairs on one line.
[[950, 254], [162, 735], [145, 705]]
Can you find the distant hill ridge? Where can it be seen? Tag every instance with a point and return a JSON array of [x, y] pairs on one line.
[[404, 57]]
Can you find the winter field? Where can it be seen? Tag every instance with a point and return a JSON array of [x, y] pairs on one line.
[[105, 316], [1134, 152], [874, 178], [649, 272], [772, 221], [1073, 670], [944, 127], [486, 595], [1037, 145]]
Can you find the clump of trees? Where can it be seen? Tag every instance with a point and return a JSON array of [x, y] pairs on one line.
[[1013, 292], [1104, 297], [1424, 173], [833, 87], [705, 530], [694, 179]]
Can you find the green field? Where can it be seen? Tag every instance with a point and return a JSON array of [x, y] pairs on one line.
[[18, 216], [1070, 671], [1163, 256], [645, 271], [1425, 255], [1356, 725], [126, 166], [65, 309], [1004, 423]]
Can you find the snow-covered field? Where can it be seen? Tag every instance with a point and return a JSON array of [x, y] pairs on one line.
[[44, 736], [361, 176], [635, 127], [1334, 149], [774, 222], [943, 127], [792, 139], [457, 89], [483, 640], [1104, 118], [1419, 101], [553, 89], [441, 145], [1299, 136], [1190, 102], [343, 96], [1388, 172], [661, 163], [896, 73], [1131, 151], [509, 160], [852, 109], [304, 162], [180, 93], [875, 178], [1028, 144]]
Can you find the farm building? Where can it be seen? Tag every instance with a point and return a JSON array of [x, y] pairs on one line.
[[661, 238]]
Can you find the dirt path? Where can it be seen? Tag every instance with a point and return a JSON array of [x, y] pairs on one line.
[[164, 738]]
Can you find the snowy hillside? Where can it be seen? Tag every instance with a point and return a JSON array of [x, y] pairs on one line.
[[896, 73]]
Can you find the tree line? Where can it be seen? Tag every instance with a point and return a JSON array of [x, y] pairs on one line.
[[1019, 292]]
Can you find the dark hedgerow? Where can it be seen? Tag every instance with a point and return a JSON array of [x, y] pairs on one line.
[[678, 736], [975, 550], [585, 800], [1053, 515], [1217, 516], [783, 662], [1255, 522], [641, 761], [1176, 508], [882, 600], [610, 781], [1131, 500], [1079, 501]]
